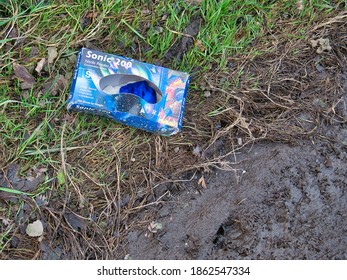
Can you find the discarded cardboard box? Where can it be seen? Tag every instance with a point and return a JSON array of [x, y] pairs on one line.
[[135, 93]]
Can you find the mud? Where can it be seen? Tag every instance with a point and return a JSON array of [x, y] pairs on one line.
[[282, 202]]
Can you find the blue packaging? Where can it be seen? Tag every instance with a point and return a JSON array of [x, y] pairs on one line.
[[102, 85]]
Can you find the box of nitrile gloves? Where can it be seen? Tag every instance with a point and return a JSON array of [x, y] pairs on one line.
[[134, 93]]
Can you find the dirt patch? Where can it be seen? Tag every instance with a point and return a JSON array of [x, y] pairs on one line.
[[281, 202], [177, 51]]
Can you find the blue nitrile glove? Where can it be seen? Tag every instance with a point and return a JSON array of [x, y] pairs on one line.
[[141, 89]]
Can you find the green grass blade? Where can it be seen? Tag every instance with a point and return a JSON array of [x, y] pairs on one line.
[[14, 191]]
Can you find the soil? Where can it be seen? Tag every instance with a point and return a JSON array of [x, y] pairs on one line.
[[282, 202]]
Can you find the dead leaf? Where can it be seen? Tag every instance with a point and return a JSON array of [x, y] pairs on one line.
[[15, 181], [85, 22], [8, 197], [13, 33], [41, 200], [146, 12], [199, 45], [202, 182], [35, 229], [40, 170], [68, 118], [24, 76], [324, 45], [50, 253], [314, 43], [321, 44], [207, 93], [31, 183], [154, 227], [197, 151], [12, 173], [54, 86], [158, 30], [299, 6], [62, 83], [30, 178], [52, 54], [5, 221], [26, 85], [92, 15], [177, 50], [34, 52], [75, 221], [40, 65]]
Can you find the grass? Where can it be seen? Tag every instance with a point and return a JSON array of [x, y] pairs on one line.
[[92, 162]]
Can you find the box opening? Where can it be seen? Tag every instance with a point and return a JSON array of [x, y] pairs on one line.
[[131, 84]]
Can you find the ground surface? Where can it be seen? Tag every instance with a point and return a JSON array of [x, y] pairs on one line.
[[284, 203], [258, 171]]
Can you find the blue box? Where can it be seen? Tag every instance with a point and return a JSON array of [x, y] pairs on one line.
[[101, 86]]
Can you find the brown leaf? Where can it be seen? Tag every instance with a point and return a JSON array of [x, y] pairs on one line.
[[75, 221], [15, 181], [6, 184], [197, 151], [52, 54], [68, 118], [92, 15], [299, 6], [13, 33], [202, 182], [34, 52], [314, 43], [50, 253], [40, 65], [12, 173], [40, 170], [32, 183], [5, 221], [62, 83], [26, 85], [55, 86], [23, 75], [199, 45], [322, 44]]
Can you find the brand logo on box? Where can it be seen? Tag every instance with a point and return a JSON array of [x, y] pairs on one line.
[[98, 57]]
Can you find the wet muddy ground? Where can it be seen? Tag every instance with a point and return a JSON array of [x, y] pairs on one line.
[[282, 202]]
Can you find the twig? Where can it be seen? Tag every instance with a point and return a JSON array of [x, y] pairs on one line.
[[152, 203]]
